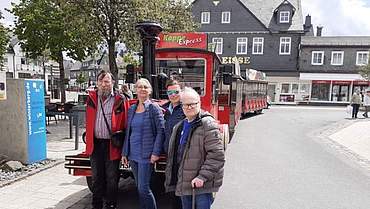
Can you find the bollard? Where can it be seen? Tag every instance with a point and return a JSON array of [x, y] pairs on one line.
[[70, 116], [76, 132]]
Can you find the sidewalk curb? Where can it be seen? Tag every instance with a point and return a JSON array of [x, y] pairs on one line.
[[33, 172], [323, 136]]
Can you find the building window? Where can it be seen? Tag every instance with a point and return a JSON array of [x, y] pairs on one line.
[[285, 45], [320, 91], [257, 45], [317, 58], [362, 58], [337, 57], [241, 45], [285, 88], [284, 17], [218, 42], [23, 61], [225, 17], [205, 18], [295, 88]]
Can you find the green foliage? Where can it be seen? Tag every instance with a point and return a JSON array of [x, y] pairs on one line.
[[53, 26], [47, 25], [4, 39], [115, 20], [81, 78], [128, 58], [365, 71]]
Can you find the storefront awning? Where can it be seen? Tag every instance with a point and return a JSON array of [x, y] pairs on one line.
[[330, 76]]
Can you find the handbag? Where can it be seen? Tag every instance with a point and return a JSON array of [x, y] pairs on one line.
[[116, 137], [349, 109]]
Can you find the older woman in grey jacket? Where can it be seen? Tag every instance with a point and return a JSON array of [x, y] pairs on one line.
[[195, 155], [356, 102]]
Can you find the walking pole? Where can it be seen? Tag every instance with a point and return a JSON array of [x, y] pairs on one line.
[[193, 197]]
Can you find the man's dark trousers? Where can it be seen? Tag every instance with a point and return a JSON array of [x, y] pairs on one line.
[[105, 175]]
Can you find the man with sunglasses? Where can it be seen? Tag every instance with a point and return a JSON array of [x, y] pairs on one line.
[[173, 114], [196, 156]]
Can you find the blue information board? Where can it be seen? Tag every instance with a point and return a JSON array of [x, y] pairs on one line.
[[35, 113]]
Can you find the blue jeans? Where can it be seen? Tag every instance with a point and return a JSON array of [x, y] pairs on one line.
[[143, 173], [202, 201]]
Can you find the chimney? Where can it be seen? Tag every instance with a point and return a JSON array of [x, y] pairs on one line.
[[307, 22], [319, 31]]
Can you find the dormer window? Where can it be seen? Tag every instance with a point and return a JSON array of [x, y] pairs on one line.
[[284, 16], [225, 17], [205, 17]]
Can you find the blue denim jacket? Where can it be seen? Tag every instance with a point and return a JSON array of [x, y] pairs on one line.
[[152, 133]]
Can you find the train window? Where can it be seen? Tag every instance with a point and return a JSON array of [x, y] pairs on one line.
[[190, 72]]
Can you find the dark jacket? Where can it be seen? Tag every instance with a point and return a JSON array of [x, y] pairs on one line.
[[203, 158], [152, 131], [119, 116], [170, 121]]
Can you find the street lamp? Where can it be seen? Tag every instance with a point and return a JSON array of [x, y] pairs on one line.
[[149, 32], [12, 51]]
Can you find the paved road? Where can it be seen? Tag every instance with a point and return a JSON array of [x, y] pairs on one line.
[[275, 161]]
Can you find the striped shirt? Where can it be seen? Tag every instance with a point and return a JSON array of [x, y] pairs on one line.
[[100, 130]]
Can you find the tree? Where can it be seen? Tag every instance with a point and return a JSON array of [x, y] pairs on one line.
[[46, 25], [4, 39], [365, 71], [81, 79], [115, 20]]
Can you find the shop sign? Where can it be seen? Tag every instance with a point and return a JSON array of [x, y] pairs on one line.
[[342, 82], [3, 85], [182, 40], [231, 60], [361, 83], [320, 82]]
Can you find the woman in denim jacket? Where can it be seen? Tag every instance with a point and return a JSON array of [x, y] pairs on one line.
[[144, 141]]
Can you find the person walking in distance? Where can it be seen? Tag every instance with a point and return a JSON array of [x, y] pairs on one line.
[[144, 141], [355, 102], [366, 102], [195, 155], [105, 113]]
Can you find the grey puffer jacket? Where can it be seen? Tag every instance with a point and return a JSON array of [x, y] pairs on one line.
[[203, 158]]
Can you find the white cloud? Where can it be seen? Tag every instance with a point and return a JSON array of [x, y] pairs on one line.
[[8, 18], [339, 17]]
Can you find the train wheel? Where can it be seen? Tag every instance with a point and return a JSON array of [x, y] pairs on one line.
[[89, 182]]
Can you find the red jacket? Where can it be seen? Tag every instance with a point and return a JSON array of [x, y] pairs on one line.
[[119, 118]]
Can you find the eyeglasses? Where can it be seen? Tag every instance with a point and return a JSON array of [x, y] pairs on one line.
[[189, 105], [172, 92], [142, 87]]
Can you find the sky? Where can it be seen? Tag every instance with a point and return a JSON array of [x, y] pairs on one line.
[[338, 17]]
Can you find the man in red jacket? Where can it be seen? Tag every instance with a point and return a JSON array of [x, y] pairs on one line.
[[105, 114]]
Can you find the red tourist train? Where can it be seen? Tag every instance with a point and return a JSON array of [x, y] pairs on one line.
[[224, 91]]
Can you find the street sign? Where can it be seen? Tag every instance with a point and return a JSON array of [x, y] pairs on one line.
[[35, 118]]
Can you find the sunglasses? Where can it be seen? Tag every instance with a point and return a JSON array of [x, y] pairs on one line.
[[172, 92]]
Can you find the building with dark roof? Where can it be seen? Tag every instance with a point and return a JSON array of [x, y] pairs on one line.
[[261, 35], [331, 64]]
